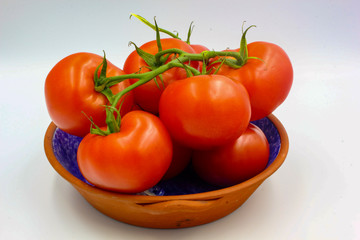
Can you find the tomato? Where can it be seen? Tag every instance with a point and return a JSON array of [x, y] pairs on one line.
[[205, 111], [268, 81], [235, 162], [199, 48], [148, 95], [180, 160], [69, 91], [130, 161]]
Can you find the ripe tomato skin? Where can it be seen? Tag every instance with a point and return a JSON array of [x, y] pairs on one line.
[[205, 111], [235, 162], [69, 90], [268, 82], [130, 161], [180, 160], [148, 95], [199, 48]]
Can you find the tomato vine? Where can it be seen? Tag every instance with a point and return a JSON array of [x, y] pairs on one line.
[[157, 65]]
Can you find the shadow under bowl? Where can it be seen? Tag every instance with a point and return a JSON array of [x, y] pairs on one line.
[[184, 201]]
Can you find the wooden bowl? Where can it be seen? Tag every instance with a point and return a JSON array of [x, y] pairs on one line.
[[184, 202]]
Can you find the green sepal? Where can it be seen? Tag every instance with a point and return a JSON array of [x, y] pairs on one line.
[[142, 20], [232, 63], [94, 129], [108, 94], [158, 39], [104, 67], [100, 80], [161, 80], [256, 58], [204, 67], [96, 77], [222, 60], [243, 45], [191, 28], [186, 67], [154, 27], [156, 83], [112, 122], [164, 58], [98, 131], [205, 62], [147, 57]]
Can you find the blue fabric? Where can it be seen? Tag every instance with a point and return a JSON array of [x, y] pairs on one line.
[[65, 148]]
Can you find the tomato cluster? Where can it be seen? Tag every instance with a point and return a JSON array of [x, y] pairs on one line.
[[174, 104]]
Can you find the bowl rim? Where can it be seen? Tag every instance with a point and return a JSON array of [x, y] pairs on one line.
[[278, 161]]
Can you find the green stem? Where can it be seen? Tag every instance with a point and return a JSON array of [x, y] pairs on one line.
[[111, 81], [145, 77], [167, 51], [184, 57]]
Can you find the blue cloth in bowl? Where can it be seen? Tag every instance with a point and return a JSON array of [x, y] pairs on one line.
[[65, 148]]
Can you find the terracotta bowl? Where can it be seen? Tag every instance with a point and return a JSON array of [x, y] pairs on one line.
[[184, 201]]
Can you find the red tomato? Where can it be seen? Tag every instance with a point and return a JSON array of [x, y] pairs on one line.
[[199, 48], [130, 161], [235, 162], [148, 95], [268, 82], [69, 91], [205, 111], [180, 160]]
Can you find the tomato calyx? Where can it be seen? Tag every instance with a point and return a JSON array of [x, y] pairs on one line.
[[160, 58], [152, 61], [244, 47], [112, 122], [237, 59], [101, 81], [99, 78]]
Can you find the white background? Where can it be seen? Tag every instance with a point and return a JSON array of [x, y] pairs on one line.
[[314, 195]]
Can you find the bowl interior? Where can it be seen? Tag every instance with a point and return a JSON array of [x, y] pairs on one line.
[[65, 148]]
